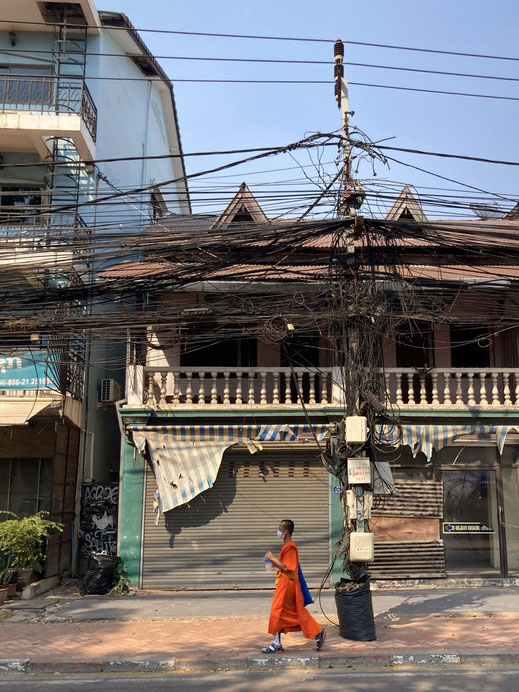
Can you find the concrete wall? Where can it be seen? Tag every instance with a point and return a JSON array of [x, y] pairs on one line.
[[131, 122]]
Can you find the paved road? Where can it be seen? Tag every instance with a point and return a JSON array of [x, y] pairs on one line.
[[178, 604], [420, 680]]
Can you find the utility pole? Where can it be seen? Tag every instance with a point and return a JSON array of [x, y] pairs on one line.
[[353, 467], [353, 193]]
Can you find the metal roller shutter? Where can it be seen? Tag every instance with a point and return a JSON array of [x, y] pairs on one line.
[[219, 539]]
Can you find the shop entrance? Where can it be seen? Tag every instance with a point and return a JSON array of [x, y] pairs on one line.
[[470, 527]]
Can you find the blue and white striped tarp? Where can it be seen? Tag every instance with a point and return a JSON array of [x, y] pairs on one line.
[[429, 438], [186, 458]]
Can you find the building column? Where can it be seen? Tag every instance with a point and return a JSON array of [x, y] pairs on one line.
[[131, 506], [442, 346]]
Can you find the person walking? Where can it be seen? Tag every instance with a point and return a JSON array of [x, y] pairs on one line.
[[288, 612]]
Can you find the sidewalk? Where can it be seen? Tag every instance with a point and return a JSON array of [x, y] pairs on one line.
[[476, 626]]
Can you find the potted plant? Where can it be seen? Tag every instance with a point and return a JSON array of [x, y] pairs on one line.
[[7, 577], [22, 540]]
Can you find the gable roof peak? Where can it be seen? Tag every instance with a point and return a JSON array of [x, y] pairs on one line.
[[406, 206], [242, 203]]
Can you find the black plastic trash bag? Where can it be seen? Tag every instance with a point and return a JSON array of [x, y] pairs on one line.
[[355, 611], [99, 578]]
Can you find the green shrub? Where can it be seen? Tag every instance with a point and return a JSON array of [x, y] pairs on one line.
[[23, 539]]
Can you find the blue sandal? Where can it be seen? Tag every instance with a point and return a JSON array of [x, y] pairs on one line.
[[272, 649], [320, 639]]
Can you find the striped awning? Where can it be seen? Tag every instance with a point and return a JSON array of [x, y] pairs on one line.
[[429, 438], [186, 458]]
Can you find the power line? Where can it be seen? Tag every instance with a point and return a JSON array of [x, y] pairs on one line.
[[303, 81], [117, 159], [280, 61], [265, 38], [301, 144], [152, 157], [463, 157]]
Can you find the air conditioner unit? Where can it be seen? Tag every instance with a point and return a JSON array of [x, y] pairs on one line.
[[110, 391]]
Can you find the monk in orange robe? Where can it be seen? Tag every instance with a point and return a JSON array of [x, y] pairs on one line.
[[288, 612]]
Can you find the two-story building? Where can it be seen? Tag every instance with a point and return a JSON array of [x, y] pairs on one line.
[[83, 107], [235, 386]]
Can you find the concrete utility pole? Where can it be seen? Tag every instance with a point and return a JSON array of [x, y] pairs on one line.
[[355, 476], [353, 193]]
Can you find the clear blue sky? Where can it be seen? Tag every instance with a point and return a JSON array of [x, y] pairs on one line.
[[226, 116]]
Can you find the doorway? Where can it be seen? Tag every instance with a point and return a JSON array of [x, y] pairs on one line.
[[470, 528]]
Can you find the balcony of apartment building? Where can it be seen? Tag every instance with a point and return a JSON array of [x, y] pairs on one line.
[[36, 105], [469, 381], [32, 236], [39, 377], [452, 389]]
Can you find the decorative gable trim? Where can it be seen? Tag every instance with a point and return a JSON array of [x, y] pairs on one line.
[[406, 205], [242, 202]]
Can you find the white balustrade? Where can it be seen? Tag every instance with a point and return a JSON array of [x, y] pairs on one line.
[[262, 387], [439, 388], [452, 388]]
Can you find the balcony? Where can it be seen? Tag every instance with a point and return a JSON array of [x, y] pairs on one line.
[[48, 241], [33, 109], [182, 387], [442, 389], [452, 388]]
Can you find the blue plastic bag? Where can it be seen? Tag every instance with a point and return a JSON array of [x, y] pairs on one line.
[[307, 598]]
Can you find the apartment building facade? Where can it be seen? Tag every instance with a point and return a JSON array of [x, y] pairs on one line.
[[223, 437], [78, 86]]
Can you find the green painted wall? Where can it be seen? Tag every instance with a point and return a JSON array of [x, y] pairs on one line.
[[131, 511]]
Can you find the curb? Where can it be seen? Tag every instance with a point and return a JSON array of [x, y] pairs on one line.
[[312, 661], [447, 583]]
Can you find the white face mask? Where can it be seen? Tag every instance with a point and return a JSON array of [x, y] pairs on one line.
[[280, 533]]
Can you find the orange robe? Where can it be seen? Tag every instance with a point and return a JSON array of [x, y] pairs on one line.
[[288, 613]]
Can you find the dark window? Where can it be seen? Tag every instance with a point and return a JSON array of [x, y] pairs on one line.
[[415, 350], [26, 485], [242, 217], [20, 205], [470, 347], [414, 347], [300, 352], [221, 353]]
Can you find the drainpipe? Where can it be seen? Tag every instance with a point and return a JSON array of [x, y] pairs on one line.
[[145, 141]]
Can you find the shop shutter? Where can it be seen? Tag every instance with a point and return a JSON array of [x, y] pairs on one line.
[[406, 525], [220, 537]]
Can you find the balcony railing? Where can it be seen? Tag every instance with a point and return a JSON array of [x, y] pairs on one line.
[[405, 388], [49, 95], [40, 229], [243, 387], [452, 387]]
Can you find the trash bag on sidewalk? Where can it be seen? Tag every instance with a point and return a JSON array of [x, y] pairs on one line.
[[355, 610], [99, 578]]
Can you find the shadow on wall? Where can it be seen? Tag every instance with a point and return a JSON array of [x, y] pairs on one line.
[[241, 514], [202, 509]]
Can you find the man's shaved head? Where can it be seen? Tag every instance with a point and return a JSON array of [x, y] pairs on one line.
[[288, 525]]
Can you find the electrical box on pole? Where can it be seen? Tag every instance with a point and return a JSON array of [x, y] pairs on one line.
[[359, 471], [356, 430], [362, 546]]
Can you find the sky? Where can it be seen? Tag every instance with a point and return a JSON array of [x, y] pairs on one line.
[[234, 116]]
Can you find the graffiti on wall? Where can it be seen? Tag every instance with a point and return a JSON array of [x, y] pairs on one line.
[[99, 519]]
